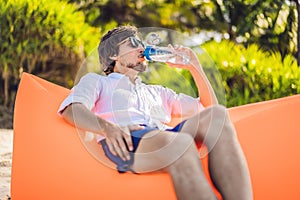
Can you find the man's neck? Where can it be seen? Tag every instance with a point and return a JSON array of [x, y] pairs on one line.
[[130, 73], [132, 77]]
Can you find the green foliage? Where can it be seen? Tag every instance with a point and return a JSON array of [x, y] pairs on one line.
[[44, 37], [270, 23], [251, 75]]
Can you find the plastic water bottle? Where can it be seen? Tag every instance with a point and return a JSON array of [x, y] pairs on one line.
[[165, 54]]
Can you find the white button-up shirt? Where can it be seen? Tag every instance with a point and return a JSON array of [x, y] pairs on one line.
[[116, 99]]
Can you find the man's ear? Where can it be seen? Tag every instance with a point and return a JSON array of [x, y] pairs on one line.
[[113, 57]]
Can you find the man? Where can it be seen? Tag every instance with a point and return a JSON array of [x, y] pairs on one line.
[[130, 118]]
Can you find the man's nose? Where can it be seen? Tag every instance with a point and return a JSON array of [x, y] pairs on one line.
[[141, 54], [141, 51]]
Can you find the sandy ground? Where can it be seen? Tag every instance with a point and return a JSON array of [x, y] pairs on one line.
[[6, 144]]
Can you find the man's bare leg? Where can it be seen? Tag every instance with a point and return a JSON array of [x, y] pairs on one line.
[[178, 155], [227, 164]]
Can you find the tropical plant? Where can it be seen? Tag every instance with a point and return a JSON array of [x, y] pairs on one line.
[[252, 75], [270, 23], [45, 37]]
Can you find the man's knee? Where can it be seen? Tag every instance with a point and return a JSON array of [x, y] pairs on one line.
[[216, 115], [218, 125], [213, 116], [217, 112], [221, 117]]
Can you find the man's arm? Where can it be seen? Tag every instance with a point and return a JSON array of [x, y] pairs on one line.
[[81, 117], [78, 115], [205, 90]]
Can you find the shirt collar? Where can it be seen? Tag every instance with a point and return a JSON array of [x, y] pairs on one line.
[[120, 76], [115, 75]]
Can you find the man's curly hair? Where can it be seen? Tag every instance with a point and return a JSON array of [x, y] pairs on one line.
[[108, 46]]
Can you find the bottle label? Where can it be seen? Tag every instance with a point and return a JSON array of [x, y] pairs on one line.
[[151, 52]]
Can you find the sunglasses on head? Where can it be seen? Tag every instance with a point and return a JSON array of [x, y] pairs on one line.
[[134, 42]]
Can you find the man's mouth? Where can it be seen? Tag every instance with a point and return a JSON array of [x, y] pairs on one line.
[[141, 58]]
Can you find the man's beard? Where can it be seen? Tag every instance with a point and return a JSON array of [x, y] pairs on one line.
[[140, 66]]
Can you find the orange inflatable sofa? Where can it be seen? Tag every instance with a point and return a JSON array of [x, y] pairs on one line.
[[50, 160]]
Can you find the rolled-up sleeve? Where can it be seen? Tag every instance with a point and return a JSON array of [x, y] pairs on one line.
[[181, 104], [87, 92]]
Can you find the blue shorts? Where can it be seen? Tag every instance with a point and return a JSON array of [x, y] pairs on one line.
[[124, 166]]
